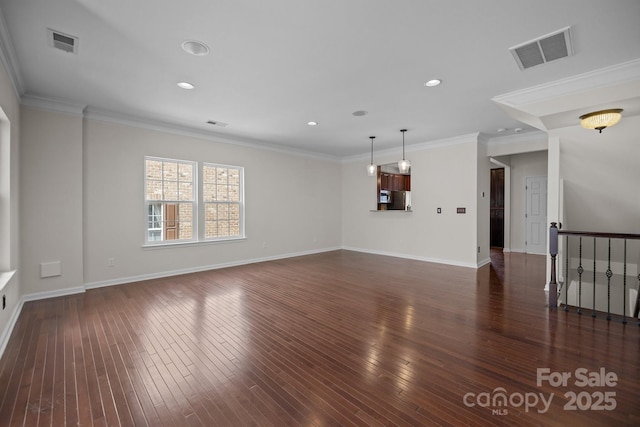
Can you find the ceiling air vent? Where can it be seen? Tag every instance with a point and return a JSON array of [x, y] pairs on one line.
[[63, 41], [544, 49]]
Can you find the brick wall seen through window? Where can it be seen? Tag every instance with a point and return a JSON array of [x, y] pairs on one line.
[[174, 201]]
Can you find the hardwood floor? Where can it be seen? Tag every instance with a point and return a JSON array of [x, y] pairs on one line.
[[339, 338]]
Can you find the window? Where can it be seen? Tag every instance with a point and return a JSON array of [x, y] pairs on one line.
[[172, 205], [170, 199], [222, 196], [6, 199], [155, 222]]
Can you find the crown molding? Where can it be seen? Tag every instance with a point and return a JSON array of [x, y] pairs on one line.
[[53, 105], [625, 72], [421, 146], [518, 144], [518, 138], [8, 58], [93, 113]]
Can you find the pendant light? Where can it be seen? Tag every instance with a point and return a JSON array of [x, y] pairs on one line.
[[403, 164], [371, 168]]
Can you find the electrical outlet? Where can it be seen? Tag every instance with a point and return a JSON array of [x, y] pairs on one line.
[[111, 262]]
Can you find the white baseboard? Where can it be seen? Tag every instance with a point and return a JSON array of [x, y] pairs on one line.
[[6, 334], [484, 262], [53, 294], [169, 273], [413, 257]]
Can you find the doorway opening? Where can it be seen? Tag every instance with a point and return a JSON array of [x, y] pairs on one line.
[[496, 206]]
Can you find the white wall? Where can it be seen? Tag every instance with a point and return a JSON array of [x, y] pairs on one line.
[[51, 199], [602, 177], [522, 166], [292, 203], [598, 178], [483, 194], [442, 176]]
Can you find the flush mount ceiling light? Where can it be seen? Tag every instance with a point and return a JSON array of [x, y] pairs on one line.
[[403, 164], [312, 123], [433, 83], [185, 85], [371, 168], [599, 120], [195, 47]]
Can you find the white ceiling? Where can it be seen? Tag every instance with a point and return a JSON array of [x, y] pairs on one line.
[[275, 65]]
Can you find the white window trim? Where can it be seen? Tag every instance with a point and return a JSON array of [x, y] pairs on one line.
[[199, 208], [194, 203], [174, 243], [201, 230], [5, 194]]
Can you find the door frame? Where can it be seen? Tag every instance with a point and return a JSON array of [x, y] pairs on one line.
[[507, 202], [496, 234]]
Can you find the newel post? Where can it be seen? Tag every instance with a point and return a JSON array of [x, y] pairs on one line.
[[553, 251]]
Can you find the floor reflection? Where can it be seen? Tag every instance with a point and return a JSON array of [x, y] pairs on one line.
[[210, 325]]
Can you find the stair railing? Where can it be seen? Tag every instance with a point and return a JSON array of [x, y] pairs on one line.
[[556, 292]]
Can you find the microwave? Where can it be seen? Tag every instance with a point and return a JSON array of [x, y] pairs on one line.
[[385, 196]]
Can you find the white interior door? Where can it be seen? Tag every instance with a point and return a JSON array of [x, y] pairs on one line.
[[536, 215]]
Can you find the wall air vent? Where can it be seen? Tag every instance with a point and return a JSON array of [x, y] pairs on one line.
[[217, 123], [62, 41], [544, 49]]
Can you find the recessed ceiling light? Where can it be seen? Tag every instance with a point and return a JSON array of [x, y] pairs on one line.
[[312, 123], [433, 82], [185, 85], [518, 130], [360, 113], [501, 130], [195, 47]]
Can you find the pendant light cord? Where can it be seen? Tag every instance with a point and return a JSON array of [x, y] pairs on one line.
[[372, 137]]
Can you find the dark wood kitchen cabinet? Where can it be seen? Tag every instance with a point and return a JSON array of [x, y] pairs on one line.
[[395, 182], [393, 189]]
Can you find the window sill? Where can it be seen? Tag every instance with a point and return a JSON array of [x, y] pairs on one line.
[[191, 243], [5, 277]]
